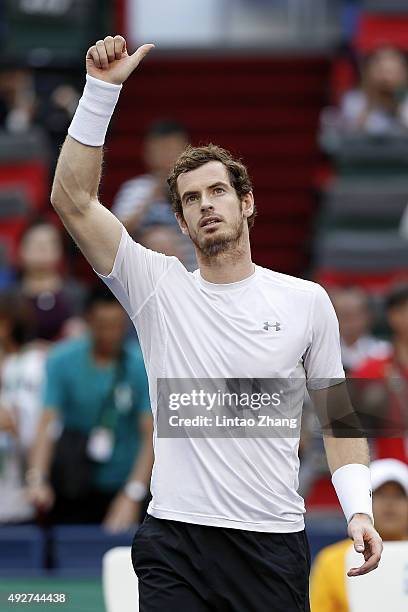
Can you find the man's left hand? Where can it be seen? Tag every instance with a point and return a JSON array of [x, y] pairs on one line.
[[122, 514], [366, 541]]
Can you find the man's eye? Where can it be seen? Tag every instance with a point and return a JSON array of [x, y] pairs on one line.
[[191, 198], [219, 190]]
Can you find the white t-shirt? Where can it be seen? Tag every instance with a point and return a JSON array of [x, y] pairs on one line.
[[190, 328]]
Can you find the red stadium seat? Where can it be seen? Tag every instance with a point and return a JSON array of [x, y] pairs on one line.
[[322, 496], [375, 283], [32, 176], [375, 30], [10, 233]]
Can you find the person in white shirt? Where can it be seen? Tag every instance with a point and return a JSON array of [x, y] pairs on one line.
[[224, 529]]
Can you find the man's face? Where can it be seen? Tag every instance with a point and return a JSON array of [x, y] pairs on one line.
[[108, 324], [41, 248], [213, 215], [390, 509]]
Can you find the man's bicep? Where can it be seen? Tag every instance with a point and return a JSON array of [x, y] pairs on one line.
[[97, 232]]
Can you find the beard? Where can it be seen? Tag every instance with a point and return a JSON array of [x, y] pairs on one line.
[[220, 242]]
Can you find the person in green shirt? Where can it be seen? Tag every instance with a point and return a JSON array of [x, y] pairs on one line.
[[92, 458]]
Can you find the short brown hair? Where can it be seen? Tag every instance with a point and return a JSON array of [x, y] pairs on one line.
[[195, 157]]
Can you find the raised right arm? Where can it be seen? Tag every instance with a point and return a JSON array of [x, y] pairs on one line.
[[74, 195]]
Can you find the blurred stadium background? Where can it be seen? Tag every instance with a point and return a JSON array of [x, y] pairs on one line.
[[289, 86]]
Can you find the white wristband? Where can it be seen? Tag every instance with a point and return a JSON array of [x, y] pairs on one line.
[[352, 483], [90, 122]]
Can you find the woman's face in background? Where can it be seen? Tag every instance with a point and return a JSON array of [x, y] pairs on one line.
[[41, 249]]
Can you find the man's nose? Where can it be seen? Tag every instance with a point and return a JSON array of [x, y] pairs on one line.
[[206, 204]]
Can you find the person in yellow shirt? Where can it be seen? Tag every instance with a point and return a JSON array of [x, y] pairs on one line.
[[389, 478]]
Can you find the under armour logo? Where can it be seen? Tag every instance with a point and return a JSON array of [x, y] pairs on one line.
[[276, 326]]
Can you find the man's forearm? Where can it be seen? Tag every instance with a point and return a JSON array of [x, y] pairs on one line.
[[348, 460], [342, 451], [79, 167], [77, 177], [142, 467], [137, 485], [43, 449], [75, 189]]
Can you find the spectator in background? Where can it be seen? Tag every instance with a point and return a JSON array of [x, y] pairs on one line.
[[21, 378], [53, 300], [355, 320], [392, 370], [96, 389], [389, 477], [380, 104], [144, 201], [17, 99]]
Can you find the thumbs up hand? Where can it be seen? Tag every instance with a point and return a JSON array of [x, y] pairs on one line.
[[108, 59]]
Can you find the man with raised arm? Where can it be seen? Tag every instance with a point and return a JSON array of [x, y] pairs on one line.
[[225, 528]]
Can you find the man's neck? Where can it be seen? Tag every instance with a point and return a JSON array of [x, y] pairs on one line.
[[227, 267]]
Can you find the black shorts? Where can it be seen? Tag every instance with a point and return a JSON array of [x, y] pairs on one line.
[[194, 568]]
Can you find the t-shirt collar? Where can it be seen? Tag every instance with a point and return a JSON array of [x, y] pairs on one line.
[[219, 287]]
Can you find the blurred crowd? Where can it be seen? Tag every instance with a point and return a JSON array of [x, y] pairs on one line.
[[75, 421]]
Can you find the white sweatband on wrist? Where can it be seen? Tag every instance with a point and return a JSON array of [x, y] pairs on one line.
[[91, 120], [352, 483]]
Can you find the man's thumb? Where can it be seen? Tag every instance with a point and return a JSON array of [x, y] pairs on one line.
[[139, 54], [359, 544]]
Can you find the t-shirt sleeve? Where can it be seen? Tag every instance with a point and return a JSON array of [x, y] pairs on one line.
[[322, 361], [136, 273]]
